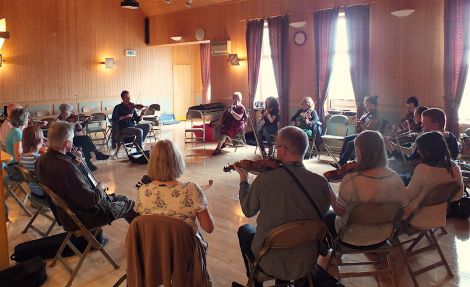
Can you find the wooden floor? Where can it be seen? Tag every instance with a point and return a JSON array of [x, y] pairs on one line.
[[224, 260]]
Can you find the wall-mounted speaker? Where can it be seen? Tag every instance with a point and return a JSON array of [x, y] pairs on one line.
[[147, 31]]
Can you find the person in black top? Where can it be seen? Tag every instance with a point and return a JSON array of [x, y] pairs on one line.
[[407, 122], [126, 117], [75, 186], [269, 125]]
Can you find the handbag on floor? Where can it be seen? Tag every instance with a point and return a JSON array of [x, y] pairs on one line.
[[47, 247], [460, 208], [31, 273]]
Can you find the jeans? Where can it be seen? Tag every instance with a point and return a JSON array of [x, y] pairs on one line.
[[347, 151], [140, 131], [246, 233]]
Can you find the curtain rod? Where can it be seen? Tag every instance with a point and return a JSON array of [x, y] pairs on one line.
[[264, 18], [343, 6]]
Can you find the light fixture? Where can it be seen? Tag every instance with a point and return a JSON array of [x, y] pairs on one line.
[[234, 60], [298, 24], [3, 32], [1, 60], [188, 3], [402, 8], [108, 63], [130, 4], [176, 38], [168, 1]]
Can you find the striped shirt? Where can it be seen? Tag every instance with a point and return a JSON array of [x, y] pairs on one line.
[[28, 160]]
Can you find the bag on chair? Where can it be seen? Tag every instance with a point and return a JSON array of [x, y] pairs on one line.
[[31, 273], [460, 208], [139, 158]]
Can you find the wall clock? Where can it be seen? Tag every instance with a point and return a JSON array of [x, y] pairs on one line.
[[299, 38]]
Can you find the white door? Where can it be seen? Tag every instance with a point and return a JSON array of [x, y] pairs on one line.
[[182, 98]]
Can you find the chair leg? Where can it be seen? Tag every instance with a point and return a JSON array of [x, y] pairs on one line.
[[415, 242], [79, 264], [30, 223], [18, 200], [436, 243], [61, 248], [404, 257], [389, 267]]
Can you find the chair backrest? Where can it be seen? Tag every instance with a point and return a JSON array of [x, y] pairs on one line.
[[439, 194], [192, 114], [108, 108], [26, 174], [49, 121], [57, 202], [98, 117], [149, 112], [337, 125], [293, 234], [155, 107], [86, 109], [374, 214]]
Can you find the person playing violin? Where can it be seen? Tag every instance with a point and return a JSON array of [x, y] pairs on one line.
[[407, 122], [307, 119], [371, 181], [370, 120], [79, 140], [126, 118], [268, 125], [278, 199]]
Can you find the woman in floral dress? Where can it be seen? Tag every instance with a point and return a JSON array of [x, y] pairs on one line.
[[165, 195]]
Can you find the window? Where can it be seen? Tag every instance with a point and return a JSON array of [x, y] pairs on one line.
[[464, 113], [266, 81], [340, 91]]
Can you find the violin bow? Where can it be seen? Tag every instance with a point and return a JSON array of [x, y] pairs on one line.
[[254, 132]]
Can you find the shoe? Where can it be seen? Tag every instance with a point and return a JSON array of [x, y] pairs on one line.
[[270, 151], [101, 156], [224, 145], [216, 151], [101, 239], [91, 166]]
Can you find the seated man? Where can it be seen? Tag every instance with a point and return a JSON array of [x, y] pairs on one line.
[[87, 199], [126, 117], [433, 119], [279, 199]]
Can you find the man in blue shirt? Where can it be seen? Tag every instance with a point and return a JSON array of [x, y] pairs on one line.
[[126, 117]]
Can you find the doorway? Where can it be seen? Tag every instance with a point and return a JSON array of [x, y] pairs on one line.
[[182, 98]]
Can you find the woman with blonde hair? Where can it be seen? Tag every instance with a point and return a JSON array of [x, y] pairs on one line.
[[165, 195], [371, 181], [306, 117]]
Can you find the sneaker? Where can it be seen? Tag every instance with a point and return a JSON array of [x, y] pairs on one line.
[[224, 145], [101, 156], [216, 151]]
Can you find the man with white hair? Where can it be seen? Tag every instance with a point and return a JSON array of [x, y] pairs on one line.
[[278, 198], [58, 170], [6, 126]]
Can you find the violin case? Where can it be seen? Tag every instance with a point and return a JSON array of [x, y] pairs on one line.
[[31, 273]]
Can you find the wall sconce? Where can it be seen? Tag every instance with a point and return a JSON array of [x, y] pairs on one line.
[[3, 32], [176, 38], [234, 60], [298, 25], [402, 8], [1, 60], [108, 63]]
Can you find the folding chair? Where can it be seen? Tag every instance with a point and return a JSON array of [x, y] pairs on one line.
[[336, 130], [151, 116], [237, 141], [288, 236], [12, 189], [128, 142], [441, 194], [316, 131], [42, 205], [98, 123], [196, 134], [371, 214], [79, 231]]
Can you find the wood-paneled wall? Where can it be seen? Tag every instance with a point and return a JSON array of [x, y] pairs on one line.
[[406, 55], [56, 48]]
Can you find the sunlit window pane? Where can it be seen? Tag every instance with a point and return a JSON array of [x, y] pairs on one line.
[[464, 110], [340, 90], [266, 81]]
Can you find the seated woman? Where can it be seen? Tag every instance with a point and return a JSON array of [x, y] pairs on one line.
[[233, 121], [436, 168], [371, 181], [269, 125], [32, 143], [307, 119], [370, 120], [18, 121], [82, 141], [165, 195]]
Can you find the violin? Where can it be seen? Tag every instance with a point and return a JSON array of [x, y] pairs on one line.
[[254, 167], [131, 105], [339, 173]]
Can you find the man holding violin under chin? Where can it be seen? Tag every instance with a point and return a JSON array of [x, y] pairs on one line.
[[285, 194], [126, 117]]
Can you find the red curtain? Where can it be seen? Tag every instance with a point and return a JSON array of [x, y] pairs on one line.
[[456, 38], [205, 50], [254, 41], [358, 29], [325, 35], [279, 42]]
